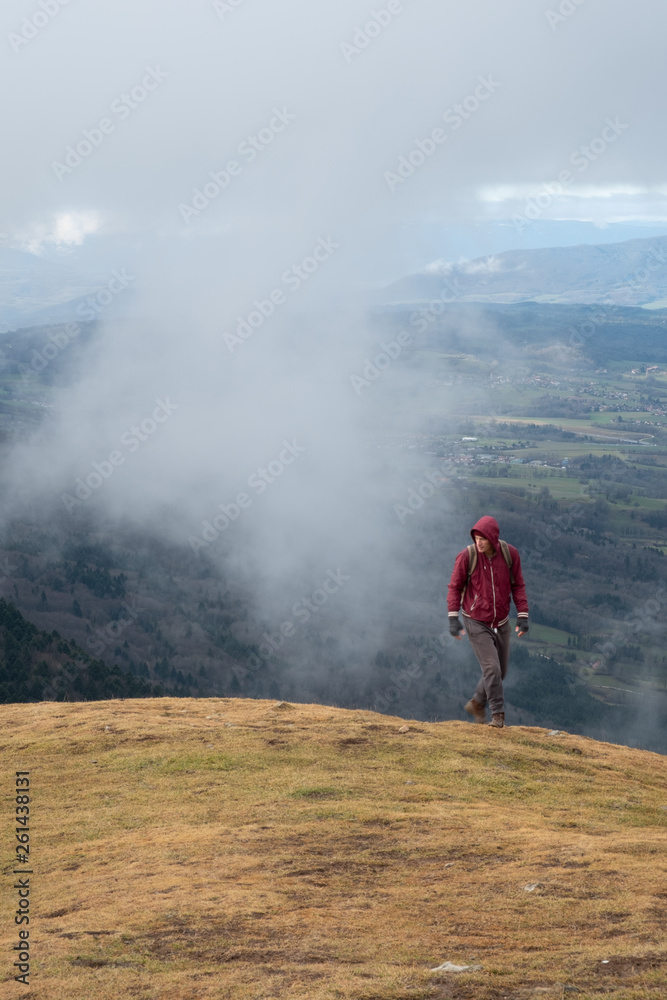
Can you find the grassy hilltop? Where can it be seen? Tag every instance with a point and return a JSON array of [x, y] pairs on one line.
[[224, 848]]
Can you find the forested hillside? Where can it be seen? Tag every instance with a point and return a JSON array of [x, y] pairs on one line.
[[37, 666], [570, 457]]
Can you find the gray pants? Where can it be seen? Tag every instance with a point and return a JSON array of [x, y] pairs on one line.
[[492, 649]]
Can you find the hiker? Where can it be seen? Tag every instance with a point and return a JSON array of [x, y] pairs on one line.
[[486, 575]]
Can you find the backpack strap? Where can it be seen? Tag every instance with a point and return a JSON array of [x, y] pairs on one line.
[[472, 562], [505, 549]]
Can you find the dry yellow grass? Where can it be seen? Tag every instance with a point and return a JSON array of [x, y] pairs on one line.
[[226, 848]]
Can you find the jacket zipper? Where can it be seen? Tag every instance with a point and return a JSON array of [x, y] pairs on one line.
[[493, 589]]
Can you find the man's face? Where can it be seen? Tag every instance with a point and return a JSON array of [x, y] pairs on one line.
[[483, 544]]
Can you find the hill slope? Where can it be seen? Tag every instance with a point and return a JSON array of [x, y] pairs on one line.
[[633, 272], [34, 290], [242, 849], [35, 664]]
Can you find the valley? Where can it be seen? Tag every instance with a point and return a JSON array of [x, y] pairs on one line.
[[569, 456]]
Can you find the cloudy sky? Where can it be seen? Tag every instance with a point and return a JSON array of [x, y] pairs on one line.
[[255, 168], [361, 84]]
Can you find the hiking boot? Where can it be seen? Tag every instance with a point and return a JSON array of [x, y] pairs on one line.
[[476, 710], [498, 720]]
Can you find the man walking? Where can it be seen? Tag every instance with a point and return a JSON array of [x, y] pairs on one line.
[[486, 575]]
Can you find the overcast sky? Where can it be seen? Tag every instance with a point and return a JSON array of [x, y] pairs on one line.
[[334, 147], [359, 100]]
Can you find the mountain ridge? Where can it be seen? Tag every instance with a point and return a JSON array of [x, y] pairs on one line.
[[633, 272]]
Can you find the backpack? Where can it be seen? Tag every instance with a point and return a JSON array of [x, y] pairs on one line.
[[472, 562]]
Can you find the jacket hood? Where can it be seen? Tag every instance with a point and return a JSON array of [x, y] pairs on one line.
[[487, 526]]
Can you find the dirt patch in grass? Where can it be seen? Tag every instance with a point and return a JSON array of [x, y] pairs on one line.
[[221, 941], [630, 965]]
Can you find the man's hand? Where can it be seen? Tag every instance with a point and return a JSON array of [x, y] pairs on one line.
[[521, 626], [456, 629]]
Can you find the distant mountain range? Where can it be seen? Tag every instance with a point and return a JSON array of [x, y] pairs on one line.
[[34, 291], [632, 273]]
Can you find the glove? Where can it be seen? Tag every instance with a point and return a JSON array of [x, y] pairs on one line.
[[455, 627], [522, 625]]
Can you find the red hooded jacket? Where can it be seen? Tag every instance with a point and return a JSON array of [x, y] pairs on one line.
[[487, 596]]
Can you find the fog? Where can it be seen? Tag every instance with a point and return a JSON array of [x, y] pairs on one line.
[[257, 171]]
